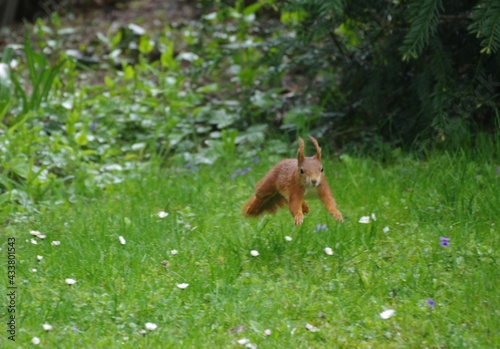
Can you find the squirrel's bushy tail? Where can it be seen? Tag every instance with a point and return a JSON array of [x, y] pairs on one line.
[[270, 204]]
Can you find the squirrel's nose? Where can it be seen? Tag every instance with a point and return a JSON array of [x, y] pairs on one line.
[[314, 181]]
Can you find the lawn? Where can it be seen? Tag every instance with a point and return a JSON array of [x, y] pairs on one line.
[[325, 284]]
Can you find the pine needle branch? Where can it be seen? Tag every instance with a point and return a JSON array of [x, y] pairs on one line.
[[424, 18]]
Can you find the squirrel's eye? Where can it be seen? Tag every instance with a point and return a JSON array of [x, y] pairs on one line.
[[322, 169], [301, 171]]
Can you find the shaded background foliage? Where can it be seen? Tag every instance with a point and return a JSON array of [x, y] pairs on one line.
[[412, 74], [195, 82]]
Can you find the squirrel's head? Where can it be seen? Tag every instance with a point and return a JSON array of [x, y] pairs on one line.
[[310, 168]]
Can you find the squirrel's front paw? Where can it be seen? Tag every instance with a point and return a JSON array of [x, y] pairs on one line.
[[298, 219], [337, 215]]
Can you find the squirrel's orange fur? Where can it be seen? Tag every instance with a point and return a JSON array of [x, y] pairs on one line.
[[290, 181]]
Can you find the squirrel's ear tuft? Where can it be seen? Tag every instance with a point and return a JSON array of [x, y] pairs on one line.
[[300, 152], [318, 149]]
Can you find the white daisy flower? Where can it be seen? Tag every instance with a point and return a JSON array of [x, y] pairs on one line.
[[33, 270], [70, 281], [150, 326], [55, 243], [267, 332], [374, 217], [312, 328], [47, 327], [34, 232], [182, 286], [385, 230], [254, 253], [328, 251], [364, 220], [288, 238], [386, 314], [162, 214], [39, 258], [33, 241], [243, 341], [35, 340], [122, 240], [41, 236], [173, 252]]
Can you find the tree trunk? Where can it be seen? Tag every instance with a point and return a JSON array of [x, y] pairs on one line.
[[7, 11]]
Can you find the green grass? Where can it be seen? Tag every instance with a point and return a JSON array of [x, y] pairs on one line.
[[290, 284]]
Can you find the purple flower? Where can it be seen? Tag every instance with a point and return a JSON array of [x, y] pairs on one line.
[[431, 302], [235, 173], [444, 241], [319, 228], [255, 160], [240, 172], [192, 166]]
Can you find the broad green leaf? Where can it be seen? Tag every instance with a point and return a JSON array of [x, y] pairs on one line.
[[252, 9], [109, 82], [208, 88], [81, 138], [129, 73], [145, 45], [115, 40], [19, 165]]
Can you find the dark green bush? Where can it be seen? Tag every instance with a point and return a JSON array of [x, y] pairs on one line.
[[415, 74]]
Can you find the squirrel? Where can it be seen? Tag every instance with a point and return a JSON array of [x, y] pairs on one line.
[[290, 181]]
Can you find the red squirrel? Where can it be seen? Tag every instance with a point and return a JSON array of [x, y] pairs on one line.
[[290, 181]]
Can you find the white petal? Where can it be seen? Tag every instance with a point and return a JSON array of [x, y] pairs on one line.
[[288, 238], [122, 240], [312, 328], [39, 258], [183, 286], [138, 30], [243, 341], [364, 219], [4, 71], [210, 16], [67, 105], [267, 332], [162, 214], [33, 241], [55, 243], [47, 327], [34, 232], [374, 217], [174, 252], [33, 270], [328, 251], [387, 314], [254, 253], [35, 340], [70, 281], [188, 56], [41, 236], [151, 326], [385, 230]]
